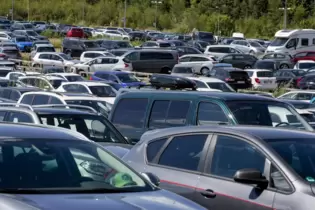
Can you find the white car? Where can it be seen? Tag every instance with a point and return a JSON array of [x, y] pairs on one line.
[[211, 84], [219, 51], [43, 82], [45, 98], [302, 95], [4, 36], [200, 62], [116, 34], [89, 55], [38, 48], [70, 77], [97, 32], [103, 63], [53, 59], [95, 88], [262, 79], [304, 64]]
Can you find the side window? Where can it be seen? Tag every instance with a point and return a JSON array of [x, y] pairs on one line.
[[89, 55], [15, 95], [230, 50], [113, 78], [185, 59], [239, 57], [288, 96], [130, 113], [304, 96], [184, 152], [2, 115], [71, 88], [304, 42], [27, 99], [19, 117], [198, 59], [200, 84], [168, 113], [299, 55], [311, 54], [6, 93], [54, 100], [278, 181], [132, 56], [40, 100], [227, 160], [153, 148], [44, 56], [209, 113], [147, 55]]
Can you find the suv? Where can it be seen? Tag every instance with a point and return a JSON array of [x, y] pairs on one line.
[[152, 60], [138, 111], [53, 59], [221, 50], [75, 47], [41, 48]]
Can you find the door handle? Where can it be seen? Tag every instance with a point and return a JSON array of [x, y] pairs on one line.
[[208, 193]]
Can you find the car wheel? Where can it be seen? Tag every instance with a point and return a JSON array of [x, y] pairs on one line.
[[204, 71], [247, 67], [284, 66], [165, 70]]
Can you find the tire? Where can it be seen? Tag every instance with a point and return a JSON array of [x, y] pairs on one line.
[[204, 71], [247, 67], [165, 70], [284, 66]]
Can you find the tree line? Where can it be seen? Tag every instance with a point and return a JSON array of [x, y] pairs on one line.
[[254, 18]]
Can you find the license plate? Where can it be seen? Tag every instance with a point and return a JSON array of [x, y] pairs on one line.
[[241, 82]]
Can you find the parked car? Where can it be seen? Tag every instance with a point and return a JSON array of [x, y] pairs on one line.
[[306, 55], [221, 50], [74, 47], [14, 93], [23, 42], [89, 55], [211, 84], [53, 58], [303, 95], [184, 70], [201, 63], [158, 44], [283, 61], [39, 48], [266, 64], [290, 77], [220, 167], [242, 61], [186, 50], [11, 52], [307, 82], [31, 34], [75, 32], [249, 47], [70, 77], [304, 64], [200, 45], [114, 44], [262, 79]]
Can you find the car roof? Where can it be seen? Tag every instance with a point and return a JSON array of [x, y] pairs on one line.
[[206, 79], [86, 83], [55, 110], [27, 131], [226, 96]]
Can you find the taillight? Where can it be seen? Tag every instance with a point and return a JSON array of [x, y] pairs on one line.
[[229, 79], [257, 80], [126, 65], [2, 55], [298, 81]]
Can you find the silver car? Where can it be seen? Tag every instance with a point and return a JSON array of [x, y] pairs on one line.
[[250, 47], [283, 61]]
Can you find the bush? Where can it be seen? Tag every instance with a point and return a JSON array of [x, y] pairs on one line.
[[51, 34]]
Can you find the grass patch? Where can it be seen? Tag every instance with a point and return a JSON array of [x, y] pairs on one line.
[[57, 42]]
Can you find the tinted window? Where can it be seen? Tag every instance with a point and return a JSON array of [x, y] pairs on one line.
[[54, 100], [194, 59], [264, 74], [168, 114], [103, 91], [44, 56], [227, 159], [2, 115], [304, 42], [184, 152], [15, 95], [40, 100], [130, 113], [209, 113], [3, 73], [200, 84], [153, 148], [27, 99], [19, 117]]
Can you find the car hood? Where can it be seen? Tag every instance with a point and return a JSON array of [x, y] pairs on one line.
[[159, 199]]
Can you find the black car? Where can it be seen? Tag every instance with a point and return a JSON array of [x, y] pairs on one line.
[[136, 35], [290, 77], [236, 78], [114, 44], [242, 61], [266, 64], [75, 47]]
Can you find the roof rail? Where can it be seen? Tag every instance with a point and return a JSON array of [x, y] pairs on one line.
[[16, 105], [69, 106]]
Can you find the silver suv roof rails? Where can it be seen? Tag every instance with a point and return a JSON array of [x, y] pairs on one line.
[[16, 105], [69, 106]]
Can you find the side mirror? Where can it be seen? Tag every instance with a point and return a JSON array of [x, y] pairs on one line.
[[151, 178], [251, 176]]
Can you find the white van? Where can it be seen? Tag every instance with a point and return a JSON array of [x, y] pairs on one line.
[[238, 35], [293, 41]]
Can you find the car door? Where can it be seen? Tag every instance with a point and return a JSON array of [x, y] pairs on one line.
[[238, 61], [56, 60], [102, 64], [196, 62], [217, 190], [178, 162]]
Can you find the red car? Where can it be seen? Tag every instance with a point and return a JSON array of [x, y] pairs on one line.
[[76, 32], [307, 55]]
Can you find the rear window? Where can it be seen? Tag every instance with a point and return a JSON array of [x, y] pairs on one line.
[[264, 74], [46, 49], [130, 113], [4, 73], [238, 74], [165, 45], [205, 35]]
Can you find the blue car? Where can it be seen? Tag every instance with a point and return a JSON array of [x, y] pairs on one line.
[[59, 169], [122, 78], [24, 43]]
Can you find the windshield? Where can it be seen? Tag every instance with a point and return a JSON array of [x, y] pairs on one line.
[[279, 41], [56, 82], [220, 86], [74, 78], [91, 44], [255, 44], [64, 164], [266, 113], [298, 72], [31, 33], [28, 26], [22, 39], [127, 78], [103, 91], [46, 49], [298, 153], [9, 45], [306, 65], [66, 57]]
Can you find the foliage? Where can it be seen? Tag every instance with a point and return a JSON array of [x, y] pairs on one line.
[[255, 18]]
